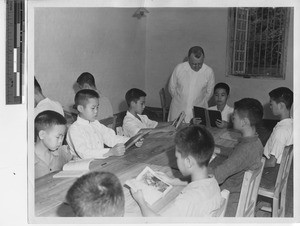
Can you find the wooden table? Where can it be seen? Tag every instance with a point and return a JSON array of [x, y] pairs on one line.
[[51, 192], [156, 151]]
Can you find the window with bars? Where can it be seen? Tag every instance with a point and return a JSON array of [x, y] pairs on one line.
[[257, 42]]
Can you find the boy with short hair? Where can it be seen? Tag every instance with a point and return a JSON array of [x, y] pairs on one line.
[[87, 136], [134, 121], [50, 155], [246, 155], [201, 197], [221, 94], [43, 103], [281, 101], [97, 194], [87, 81]]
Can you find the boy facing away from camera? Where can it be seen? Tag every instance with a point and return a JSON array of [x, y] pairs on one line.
[[134, 121], [201, 197], [50, 155], [97, 194], [246, 155], [87, 136], [42, 103]]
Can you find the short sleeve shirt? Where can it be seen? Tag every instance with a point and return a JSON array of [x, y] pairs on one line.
[[58, 159], [281, 136], [198, 199]]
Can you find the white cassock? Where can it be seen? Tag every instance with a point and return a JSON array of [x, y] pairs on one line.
[[189, 88]]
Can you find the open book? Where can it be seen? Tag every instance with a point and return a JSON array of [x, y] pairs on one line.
[[208, 117], [74, 168], [179, 120], [152, 186]]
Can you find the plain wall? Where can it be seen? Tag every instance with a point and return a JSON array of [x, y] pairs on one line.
[[171, 32], [107, 42], [125, 52]]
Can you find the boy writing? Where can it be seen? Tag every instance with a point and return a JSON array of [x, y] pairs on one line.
[[87, 81], [134, 121], [201, 197], [97, 194], [86, 136], [50, 129], [281, 100], [43, 103], [246, 155]]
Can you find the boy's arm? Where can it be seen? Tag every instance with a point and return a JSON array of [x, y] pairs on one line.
[[78, 144], [233, 164], [271, 162], [145, 208]]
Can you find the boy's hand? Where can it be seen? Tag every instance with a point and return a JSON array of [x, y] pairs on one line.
[[220, 123], [196, 121], [139, 143], [118, 150], [138, 195], [172, 181]]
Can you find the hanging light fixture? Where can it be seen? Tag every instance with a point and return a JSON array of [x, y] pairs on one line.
[[140, 12]]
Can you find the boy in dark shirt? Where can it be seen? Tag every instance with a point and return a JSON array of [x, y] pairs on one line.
[[246, 155]]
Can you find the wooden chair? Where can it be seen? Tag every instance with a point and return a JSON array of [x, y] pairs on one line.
[[278, 192], [109, 122], [221, 211], [165, 108], [248, 196]]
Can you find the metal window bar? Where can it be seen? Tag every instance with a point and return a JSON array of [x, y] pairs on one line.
[[240, 40], [254, 32]]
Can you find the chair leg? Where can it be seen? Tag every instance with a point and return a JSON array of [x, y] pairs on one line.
[[282, 201], [275, 207]]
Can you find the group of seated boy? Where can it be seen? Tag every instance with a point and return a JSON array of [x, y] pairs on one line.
[[101, 193]]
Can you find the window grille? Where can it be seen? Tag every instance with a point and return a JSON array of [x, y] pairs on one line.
[[258, 42]]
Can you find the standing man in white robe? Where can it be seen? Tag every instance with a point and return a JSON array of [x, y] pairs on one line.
[[191, 84]]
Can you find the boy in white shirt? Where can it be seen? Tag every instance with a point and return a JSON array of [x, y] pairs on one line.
[[221, 94], [86, 136], [134, 121], [281, 101], [201, 197], [43, 103]]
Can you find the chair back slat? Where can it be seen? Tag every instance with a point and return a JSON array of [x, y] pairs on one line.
[[248, 195], [284, 169]]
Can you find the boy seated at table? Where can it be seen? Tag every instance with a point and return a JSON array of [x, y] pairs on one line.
[[134, 121], [221, 94], [281, 101], [97, 194], [42, 103], [87, 81], [50, 155], [87, 136], [201, 197], [246, 155]]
